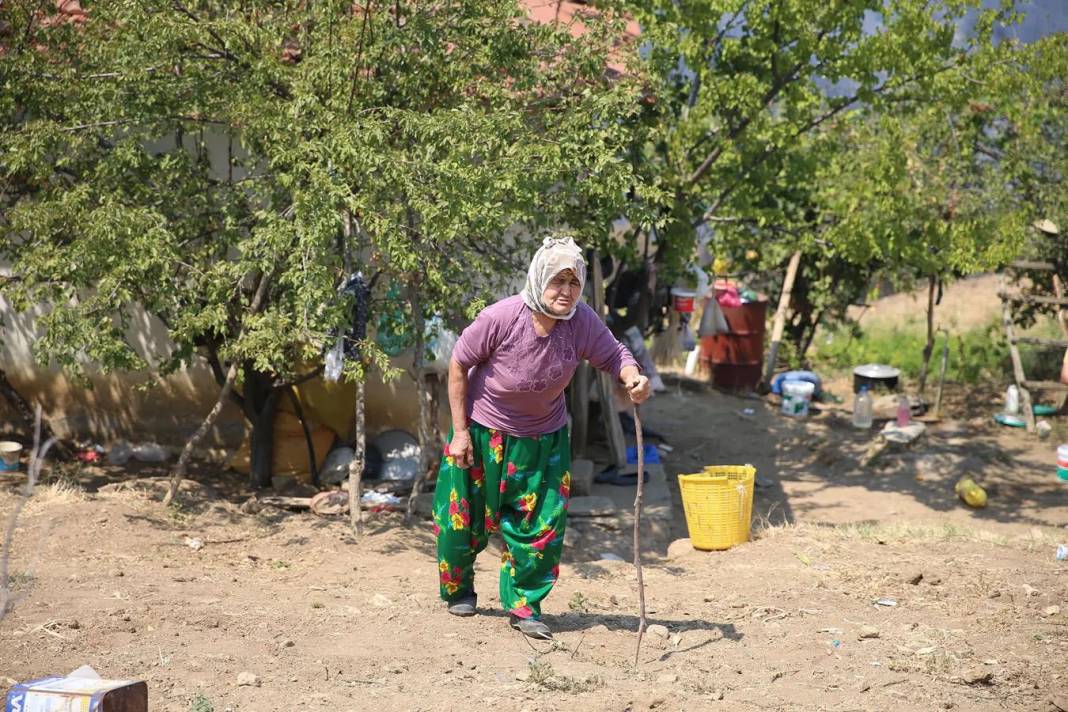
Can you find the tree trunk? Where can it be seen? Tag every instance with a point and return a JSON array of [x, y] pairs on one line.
[[178, 473], [356, 465], [264, 402], [928, 348]]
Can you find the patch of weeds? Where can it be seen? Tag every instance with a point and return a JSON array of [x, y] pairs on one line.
[[579, 602], [540, 672], [176, 511], [544, 676], [19, 581], [201, 703], [279, 565], [939, 664]]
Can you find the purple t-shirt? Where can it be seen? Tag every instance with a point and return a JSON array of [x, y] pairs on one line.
[[516, 378]]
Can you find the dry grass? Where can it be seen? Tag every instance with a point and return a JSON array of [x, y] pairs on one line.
[[60, 492], [882, 532]]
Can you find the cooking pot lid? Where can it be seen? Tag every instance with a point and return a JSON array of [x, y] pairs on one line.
[[876, 370]]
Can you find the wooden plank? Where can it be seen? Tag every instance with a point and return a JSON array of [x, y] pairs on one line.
[[1046, 385], [1027, 264], [1038, 341], [1021, 299], [780, 315], [612, 427], [1017, 364]]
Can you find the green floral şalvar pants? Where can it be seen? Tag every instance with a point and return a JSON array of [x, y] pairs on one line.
[[519, 487]]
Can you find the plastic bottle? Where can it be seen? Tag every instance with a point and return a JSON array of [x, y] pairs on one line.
[[862, 409], [972, 494], [904, 411], [1012, 401]]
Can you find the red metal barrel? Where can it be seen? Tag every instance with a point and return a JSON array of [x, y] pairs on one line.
[[736, 359]]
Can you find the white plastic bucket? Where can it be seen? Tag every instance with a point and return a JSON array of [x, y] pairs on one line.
[[9, 455], [796, 396]]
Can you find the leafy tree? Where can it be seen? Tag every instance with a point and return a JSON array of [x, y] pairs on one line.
[[226, 169]]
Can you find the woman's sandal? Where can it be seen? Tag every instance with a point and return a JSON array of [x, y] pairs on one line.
[[531, 627], [464, 607]]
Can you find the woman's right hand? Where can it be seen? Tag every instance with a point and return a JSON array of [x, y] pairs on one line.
[[460, 449]]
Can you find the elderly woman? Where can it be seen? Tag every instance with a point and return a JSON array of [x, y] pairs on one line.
[[506, 465]]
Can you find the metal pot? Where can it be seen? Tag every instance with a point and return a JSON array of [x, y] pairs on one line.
[[875, 376]]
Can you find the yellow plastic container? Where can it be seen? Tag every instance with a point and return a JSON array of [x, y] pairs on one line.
[[718, 503]]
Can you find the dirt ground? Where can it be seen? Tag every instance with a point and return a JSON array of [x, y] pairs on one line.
[[324, 620]]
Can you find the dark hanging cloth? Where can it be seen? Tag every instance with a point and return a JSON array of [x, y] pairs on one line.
[[360, 290]]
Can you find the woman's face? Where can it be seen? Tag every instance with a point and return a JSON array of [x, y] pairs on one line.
[[562, 293]]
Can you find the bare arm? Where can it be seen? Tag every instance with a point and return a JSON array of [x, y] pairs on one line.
[[460, 445]]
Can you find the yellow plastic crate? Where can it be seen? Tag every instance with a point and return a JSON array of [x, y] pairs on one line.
[[718, 502]]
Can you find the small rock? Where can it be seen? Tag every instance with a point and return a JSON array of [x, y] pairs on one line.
[[933, 579], [1051, 611], [1030, 590], [867, 632], [380, 601], [864, 687], [914, 577], [250, 506], [660, 631], [679, 548], [247, 679], [522, 675], [717, 695], [978, 676], [676, 640], [1059, 702], [118, 573], [994, 594], [709, 599], [288, 643], [667, 678]]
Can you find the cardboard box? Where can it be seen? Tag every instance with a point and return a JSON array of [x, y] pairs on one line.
[[78, 694]]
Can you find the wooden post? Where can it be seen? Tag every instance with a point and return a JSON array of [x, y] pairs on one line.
[[580, 409], [780, 316], [613, 428], [1017, 363]]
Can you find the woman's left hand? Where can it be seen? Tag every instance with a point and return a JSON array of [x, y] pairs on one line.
[[638, 389]]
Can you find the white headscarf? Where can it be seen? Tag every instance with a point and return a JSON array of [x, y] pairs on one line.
[[556, 254]]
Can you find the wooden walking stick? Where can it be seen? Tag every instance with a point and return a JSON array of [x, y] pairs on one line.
[[637, 533]]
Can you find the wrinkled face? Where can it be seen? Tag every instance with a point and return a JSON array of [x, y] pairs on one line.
[[562, 293]]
